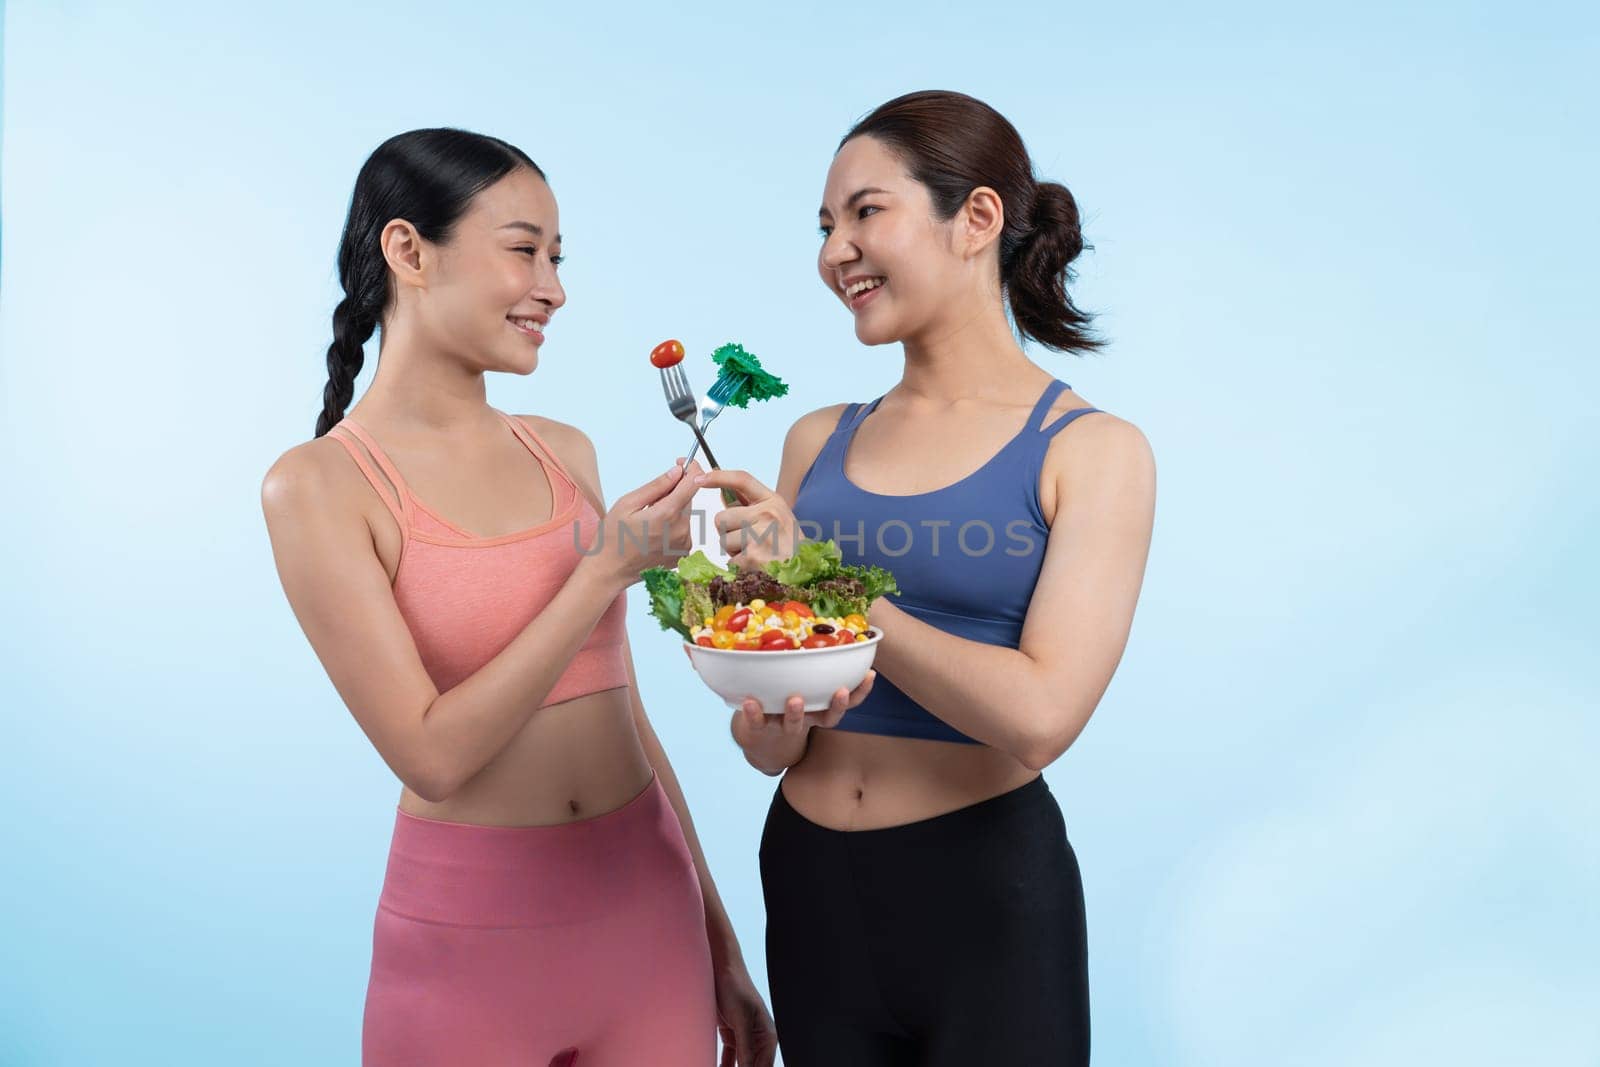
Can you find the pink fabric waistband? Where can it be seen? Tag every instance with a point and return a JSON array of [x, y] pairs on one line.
[[497, 876]]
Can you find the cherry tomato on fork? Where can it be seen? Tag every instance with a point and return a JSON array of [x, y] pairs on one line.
[[666, 354]]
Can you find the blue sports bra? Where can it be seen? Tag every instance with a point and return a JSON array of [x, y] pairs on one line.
[[966, 557]]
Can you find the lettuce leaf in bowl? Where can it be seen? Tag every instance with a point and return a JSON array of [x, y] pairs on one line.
[[812, 561], [697, 606], [682, 598], [699, 568], [665, 589]]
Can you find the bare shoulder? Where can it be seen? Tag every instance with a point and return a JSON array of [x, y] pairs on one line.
[[1099, 447], [814, 427], [800, 448], [571, 445], [575, 451], [307, 479]]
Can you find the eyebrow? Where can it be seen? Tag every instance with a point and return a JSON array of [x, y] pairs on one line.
[[537, 231], [857, 195]]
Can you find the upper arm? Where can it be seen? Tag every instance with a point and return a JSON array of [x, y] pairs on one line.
[[806, 438], [1082, 607], [340, 593]]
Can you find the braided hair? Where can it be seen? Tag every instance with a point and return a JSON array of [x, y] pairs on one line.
[[427, 177]]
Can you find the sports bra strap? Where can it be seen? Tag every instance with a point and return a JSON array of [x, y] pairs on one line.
[[542, 452], [846, 417], [1065, 420], [392, 492], [861, 412], [1042, 408]]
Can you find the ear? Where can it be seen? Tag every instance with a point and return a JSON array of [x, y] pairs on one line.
[[982, 218], [404, 251]]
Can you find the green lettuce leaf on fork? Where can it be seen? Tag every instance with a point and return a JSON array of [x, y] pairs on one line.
[[744, 370]]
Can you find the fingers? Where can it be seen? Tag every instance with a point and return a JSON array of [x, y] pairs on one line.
[[860, 692], [741, 1040], [794, 715], [683, 492], [729, 520], [650, 491], [741, 482]]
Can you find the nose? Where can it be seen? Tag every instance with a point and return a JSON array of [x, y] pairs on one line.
[[548, 290], [836, 251]]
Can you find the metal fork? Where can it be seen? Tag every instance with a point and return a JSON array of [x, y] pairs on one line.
[[682, 404], [721, 390]]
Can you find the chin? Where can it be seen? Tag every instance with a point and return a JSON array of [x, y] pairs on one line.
[[871, 335], [523, 363]]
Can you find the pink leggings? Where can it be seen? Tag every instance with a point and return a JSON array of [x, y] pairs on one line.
[[518, 946]]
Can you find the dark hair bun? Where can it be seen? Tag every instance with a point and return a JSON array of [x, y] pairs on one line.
[[1041, 268], [953, 143]]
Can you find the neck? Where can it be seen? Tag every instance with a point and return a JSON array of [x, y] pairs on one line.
[[973, 357], [421, 387]]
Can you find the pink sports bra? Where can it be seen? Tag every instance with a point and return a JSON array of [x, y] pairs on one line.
[[464, 598]]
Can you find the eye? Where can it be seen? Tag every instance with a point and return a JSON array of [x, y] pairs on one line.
[[558, 260], [866, 208], [825, 230]]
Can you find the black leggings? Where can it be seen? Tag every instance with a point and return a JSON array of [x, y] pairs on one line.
[[956, 941]]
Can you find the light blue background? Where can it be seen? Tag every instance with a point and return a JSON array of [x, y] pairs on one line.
[[1339, 805]]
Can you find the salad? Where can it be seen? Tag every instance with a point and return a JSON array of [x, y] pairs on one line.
[[810, 600]]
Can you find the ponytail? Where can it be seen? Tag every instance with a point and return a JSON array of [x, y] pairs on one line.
[[1036, 276], [952, 144]]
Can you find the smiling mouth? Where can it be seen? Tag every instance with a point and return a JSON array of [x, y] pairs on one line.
[[862, 290], [526, 327]]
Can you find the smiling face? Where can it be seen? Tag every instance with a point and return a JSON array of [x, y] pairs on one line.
[[493, 287], [884, 253]]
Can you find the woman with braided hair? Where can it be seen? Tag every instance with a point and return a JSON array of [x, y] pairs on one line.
[[924, 905], [546, 900]]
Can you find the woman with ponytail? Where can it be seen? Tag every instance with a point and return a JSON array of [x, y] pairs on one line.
[[461, 580], [924, 905]]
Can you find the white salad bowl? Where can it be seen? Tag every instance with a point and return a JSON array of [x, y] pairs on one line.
[[773, 677]]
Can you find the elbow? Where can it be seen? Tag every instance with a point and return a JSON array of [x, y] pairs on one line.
[[430, 781], [1043, 745], [1036, 756], [433, 790]]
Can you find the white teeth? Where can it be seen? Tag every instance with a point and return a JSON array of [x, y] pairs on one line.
[[526, 324], [863, 286]]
